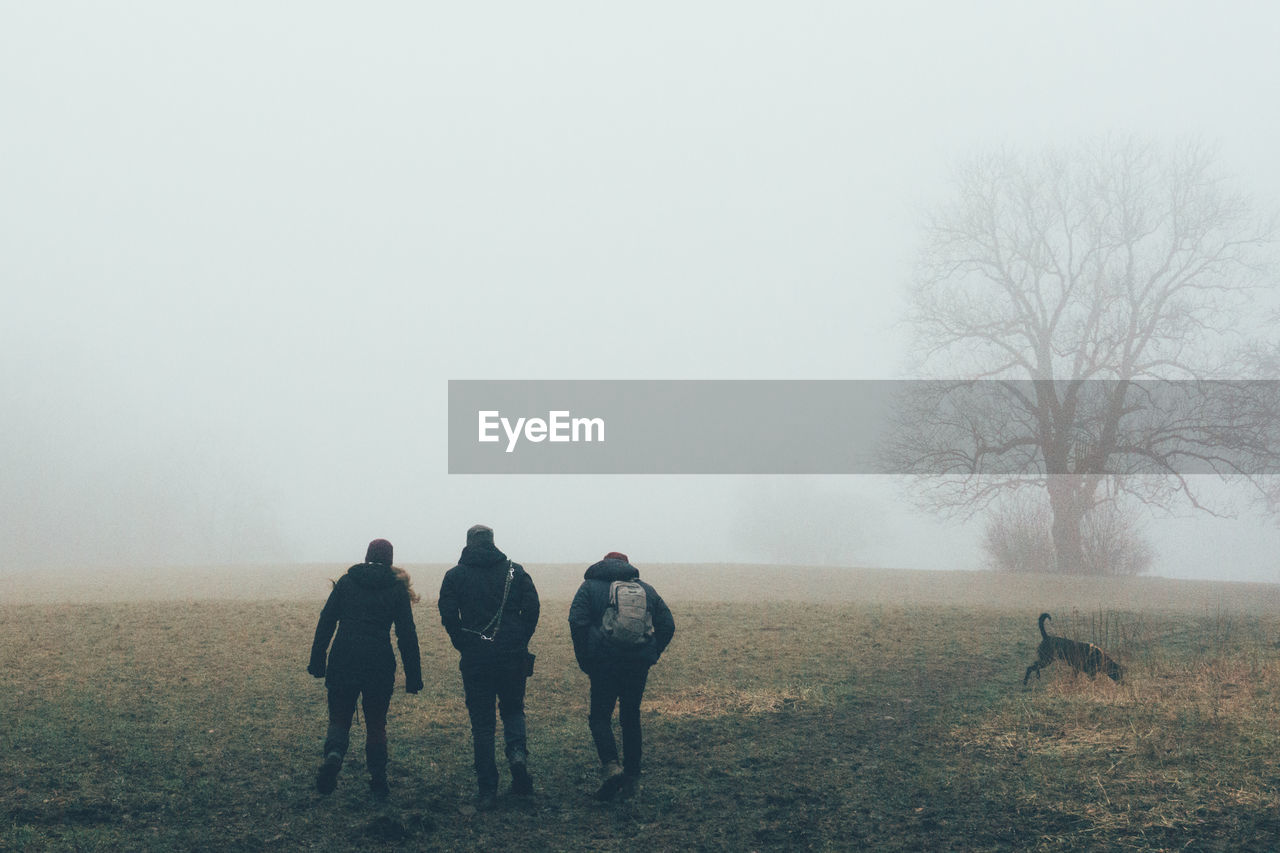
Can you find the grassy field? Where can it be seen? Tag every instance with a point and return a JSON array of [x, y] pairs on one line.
[[857, 709]]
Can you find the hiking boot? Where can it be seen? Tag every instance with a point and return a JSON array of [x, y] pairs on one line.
[[630, 786], [521, 781], [611, 779], [486, 801], [327, 775], [376, 759]]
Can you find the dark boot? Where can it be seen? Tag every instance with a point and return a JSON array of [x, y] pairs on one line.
[[335, 748], [486, 800], [630, 786], [521, 781], [611, 779], [376, 757], [327, 775]]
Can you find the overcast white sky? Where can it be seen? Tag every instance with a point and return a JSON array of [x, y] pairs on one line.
[[244, 246]]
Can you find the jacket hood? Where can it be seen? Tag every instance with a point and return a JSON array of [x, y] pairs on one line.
[[483, 556], [611, 570], [372, 575]]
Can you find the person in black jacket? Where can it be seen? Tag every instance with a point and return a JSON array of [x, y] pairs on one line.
[[489, 606], [618, 668], [364, 604]]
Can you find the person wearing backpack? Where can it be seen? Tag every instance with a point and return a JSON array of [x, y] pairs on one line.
[[620, 627], [363, 605], [489, 606]]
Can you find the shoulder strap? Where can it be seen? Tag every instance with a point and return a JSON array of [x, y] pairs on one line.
[[496, 622]]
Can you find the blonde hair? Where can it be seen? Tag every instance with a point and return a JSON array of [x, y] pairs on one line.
[[403, 577]]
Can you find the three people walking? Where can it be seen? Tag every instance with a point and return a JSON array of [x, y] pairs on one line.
[[489, 606]]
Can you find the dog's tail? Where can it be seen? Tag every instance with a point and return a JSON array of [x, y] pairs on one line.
[[1044, 616]]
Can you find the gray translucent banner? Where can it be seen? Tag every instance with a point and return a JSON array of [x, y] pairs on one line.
[[862, 427]]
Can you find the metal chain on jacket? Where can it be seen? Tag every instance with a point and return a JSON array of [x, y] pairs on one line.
[[496, 622]]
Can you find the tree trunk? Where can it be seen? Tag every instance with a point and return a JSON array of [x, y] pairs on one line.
[[1067, 504]]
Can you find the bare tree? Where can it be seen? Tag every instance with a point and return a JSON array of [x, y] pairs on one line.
[[1090, 310]]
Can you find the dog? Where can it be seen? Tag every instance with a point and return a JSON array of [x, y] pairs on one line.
[[1083, 657]]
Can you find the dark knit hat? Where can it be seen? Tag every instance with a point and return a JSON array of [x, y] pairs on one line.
[[617, 555], [480, 534], [379, 552]]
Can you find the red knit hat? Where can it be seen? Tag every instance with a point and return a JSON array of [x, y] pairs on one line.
[[617, 555], [379, 552]]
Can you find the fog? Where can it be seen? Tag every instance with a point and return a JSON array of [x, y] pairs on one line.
[[244, 248]]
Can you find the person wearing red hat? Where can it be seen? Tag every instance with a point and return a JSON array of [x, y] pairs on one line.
[[620, 627], [363, 605]]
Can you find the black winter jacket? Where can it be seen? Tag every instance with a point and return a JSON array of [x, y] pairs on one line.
[[470, 599], [590, 645], [364, 604]]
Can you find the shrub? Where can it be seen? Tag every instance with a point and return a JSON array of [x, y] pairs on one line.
[[1114, 541], [1018, 537]]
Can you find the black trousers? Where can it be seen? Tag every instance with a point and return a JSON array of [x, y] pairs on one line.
[[376, 696], [504, 681], [624, 685]]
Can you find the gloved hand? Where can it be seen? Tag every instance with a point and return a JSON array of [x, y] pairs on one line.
[[316, 667], [413, 686]]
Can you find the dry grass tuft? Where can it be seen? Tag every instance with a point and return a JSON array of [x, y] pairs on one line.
[[710, 700]]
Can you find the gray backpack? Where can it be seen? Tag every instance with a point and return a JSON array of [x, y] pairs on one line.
[[626, 620]]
